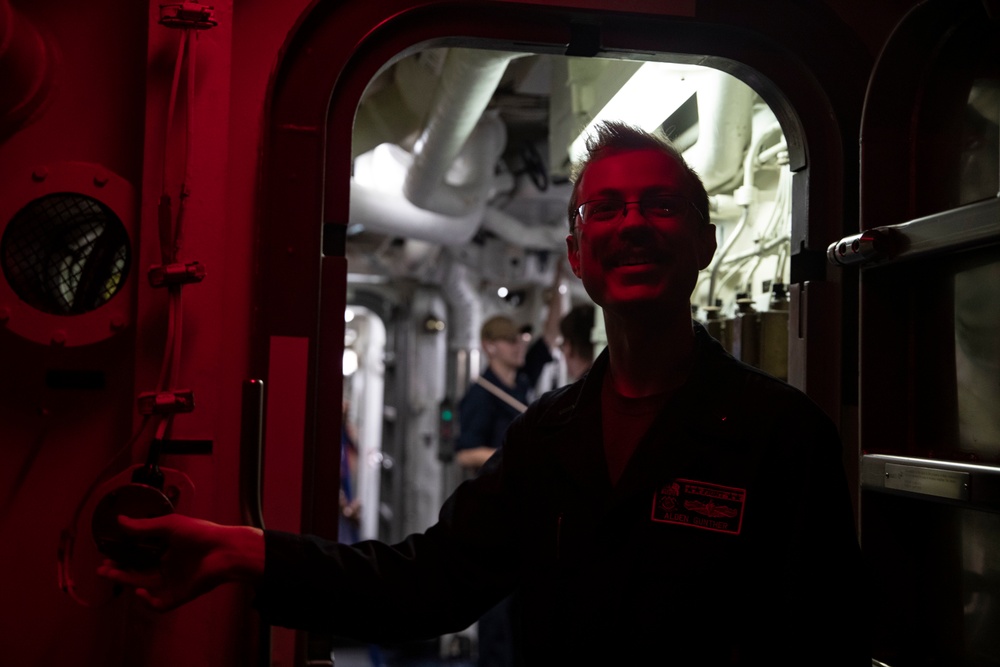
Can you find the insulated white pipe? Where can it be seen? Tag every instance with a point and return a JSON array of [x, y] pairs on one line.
[[517, 233], [470, 177], [465, 304], [394, 215], [754, 157], [725, 113], [721, 255], [745, 196], [468, 80], [455, 213]]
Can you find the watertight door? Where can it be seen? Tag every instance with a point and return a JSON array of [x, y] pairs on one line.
[[929, 259]]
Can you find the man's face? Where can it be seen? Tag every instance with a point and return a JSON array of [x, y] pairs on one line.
[[633, 261]]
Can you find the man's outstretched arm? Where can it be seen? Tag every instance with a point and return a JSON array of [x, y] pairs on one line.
[[433, 582]]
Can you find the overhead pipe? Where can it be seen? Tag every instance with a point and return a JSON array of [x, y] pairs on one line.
[[466, 306], [394, 215], [26, 69], [745, 196], [456, 211], [469, 179], [517, 233], [468, 80], [451, 175], [721, 255], [465, 310], [725, 113]]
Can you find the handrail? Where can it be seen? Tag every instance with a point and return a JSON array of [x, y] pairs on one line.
[[953, 229], [972, 485]]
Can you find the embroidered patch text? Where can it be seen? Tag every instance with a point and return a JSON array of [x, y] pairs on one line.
[[700, 505]]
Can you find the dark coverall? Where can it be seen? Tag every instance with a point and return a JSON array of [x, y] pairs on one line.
[[729, 538]]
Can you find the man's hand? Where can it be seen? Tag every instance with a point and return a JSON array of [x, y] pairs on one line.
[[200, 555]]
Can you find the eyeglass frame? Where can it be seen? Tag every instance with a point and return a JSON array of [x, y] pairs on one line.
[[624, 210]]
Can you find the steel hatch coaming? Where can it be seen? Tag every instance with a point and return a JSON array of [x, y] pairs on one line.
[[339, 49]]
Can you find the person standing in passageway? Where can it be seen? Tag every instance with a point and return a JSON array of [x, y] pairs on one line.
[[504, 388]]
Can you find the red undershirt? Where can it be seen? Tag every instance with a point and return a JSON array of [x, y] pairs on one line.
[[625, 420]]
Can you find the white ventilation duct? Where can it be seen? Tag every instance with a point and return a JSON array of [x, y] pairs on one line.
[[394, 215], [469, 179], [468, 80], [725, 114], [378, 204]]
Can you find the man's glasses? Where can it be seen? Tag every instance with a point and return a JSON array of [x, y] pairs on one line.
[[659, 207]]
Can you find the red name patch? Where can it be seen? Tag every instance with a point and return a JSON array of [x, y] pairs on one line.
[[700, 505]]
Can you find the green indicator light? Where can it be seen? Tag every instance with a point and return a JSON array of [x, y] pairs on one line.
[[446, 415]]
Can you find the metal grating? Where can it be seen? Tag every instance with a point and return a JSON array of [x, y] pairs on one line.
[[65, 254]]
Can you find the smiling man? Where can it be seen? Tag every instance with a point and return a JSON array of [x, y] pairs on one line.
[[673, 507], [638, 237]]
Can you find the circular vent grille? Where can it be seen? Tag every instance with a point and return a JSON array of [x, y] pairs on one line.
[[65, 254]]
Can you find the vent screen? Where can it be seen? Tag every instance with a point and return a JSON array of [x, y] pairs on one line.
[[65, 254]]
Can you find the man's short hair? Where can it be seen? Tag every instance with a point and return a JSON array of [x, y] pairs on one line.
[[612, 137]]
